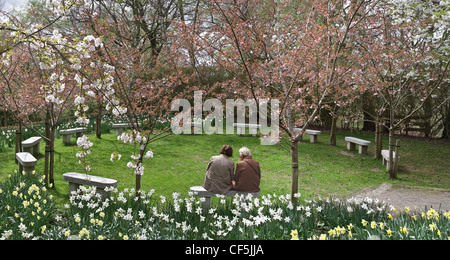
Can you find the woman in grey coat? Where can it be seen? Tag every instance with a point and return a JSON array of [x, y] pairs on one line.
[[220, 172]]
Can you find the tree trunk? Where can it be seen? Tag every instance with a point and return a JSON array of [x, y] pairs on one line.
[[392, 173], [46, 159], [99, 119], [294, 167], [138, 186], [52, 158], [397, 146], [378, 139], [47, 146], [333, 130]]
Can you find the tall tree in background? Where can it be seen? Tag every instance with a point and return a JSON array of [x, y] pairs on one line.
[[407, 59]]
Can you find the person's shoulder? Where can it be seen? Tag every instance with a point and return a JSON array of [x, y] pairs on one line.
[[254, 161]]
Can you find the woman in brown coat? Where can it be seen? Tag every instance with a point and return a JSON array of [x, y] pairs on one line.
[[220, 172], [247, 176]]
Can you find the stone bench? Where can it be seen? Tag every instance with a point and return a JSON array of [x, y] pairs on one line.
[[385, 154], [253, 128], [76, 179], [32, 144], [67, 132], [353, 141], [199, 191], [26, 162], [120, 126], [312, 134]]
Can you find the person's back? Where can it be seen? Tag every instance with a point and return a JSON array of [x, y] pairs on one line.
[[220, 172], [248, 174]]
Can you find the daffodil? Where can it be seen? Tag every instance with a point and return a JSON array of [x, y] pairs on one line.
[[364, 222], [433, 227], [294, 234], [404, 230], [373, 225], [389, 232]]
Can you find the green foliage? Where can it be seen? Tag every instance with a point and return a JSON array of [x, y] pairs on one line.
[[27, 212]]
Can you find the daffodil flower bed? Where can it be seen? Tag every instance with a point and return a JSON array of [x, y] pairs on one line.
[[27, 211]]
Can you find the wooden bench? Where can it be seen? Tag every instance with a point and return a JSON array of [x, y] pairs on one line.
[[76, 179], [120, 126], [312, 134], [199, 191], [32, 144], [67, 132], [26, 162], [253, 128], [385, 154], [353, 141]]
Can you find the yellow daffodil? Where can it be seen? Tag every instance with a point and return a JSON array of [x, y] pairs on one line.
[[364, 222], [373, 224], [404, 230], [294, 234], [433, 227], [389, 232]]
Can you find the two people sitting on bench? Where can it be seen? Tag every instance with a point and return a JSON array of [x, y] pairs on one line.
[[221, 176]]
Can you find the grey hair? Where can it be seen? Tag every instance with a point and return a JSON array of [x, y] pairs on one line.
[[244, 151]]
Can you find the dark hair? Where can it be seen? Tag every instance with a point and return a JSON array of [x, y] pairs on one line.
[[227, 150]]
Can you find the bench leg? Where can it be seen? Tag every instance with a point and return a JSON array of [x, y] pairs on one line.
[[119, 131], [28, 149], [362, 149], [351, 146], [254, 131], [313, 139], [206, 204], [26, 169], [73, 187], [66, 139], [36, 149], [239, 131], [103, 192]]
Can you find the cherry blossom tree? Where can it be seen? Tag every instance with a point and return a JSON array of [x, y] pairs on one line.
[[405, 45], [146, 72], [293, 51], [43, 71]]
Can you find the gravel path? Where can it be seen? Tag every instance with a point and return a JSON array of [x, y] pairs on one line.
[[401, 197]]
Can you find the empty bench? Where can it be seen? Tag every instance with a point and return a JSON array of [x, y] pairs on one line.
[[312, 134], [32, 144], [362, 144], [76, 179], [26, 162], [68, 132], [120, 126], [253, 128], [199, 191], [385, 154]]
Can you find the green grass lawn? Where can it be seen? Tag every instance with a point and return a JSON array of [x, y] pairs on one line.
[[180, 161]]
